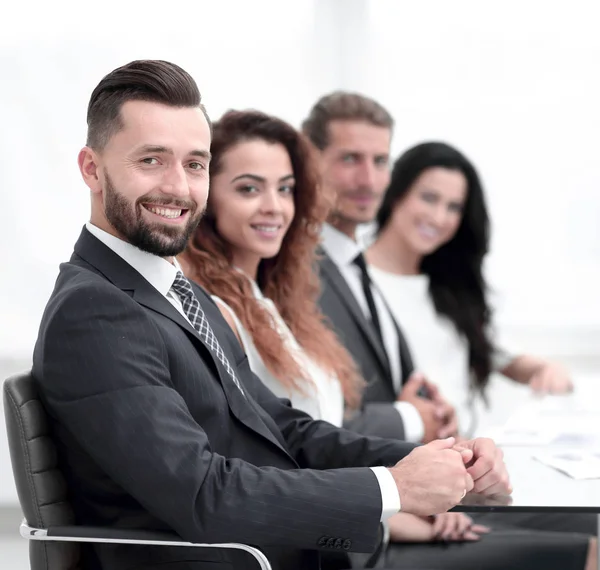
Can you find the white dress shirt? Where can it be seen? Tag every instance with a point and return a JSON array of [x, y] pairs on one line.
[[342, 250], [161, 275]]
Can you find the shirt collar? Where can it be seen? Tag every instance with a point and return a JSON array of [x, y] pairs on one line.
[[339, 247], [154, 269]]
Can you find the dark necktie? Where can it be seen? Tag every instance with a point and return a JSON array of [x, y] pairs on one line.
[[406, 363], [367, 286], [194, 312]]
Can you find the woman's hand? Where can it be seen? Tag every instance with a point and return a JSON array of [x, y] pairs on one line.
[[456, 527], [543, 377], [446, 527], [551, 378], [405, 527]]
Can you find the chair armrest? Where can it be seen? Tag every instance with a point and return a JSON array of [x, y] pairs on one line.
[[385, 541], [384, 531], [126, 536]]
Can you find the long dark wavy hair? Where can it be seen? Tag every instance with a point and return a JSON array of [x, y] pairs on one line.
[[457, 286], [288, 279]]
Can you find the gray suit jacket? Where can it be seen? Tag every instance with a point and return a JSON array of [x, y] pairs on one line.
[[153, 434], [337, 302]]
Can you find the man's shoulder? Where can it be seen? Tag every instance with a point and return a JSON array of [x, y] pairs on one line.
[[329, 274], [324, 266], [75, 278], [79, 287]]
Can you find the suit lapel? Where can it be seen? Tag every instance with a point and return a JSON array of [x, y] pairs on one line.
[[122, 275], [239, 404], [330, 271], [243, 406]]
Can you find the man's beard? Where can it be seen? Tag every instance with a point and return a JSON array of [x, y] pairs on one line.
[[338, 216], [159, 239]]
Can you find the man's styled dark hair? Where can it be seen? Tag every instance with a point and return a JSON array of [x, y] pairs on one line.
[[343, 106], [142, 80]]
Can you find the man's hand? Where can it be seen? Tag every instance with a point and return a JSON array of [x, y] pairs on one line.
[[439, 417], [486, 467], [445, 411], [551, 378], [433, 478]]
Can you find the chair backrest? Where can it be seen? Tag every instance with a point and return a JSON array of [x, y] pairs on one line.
[[40, 485]]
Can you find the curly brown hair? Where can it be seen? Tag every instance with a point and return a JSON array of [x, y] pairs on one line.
[[289, 279]]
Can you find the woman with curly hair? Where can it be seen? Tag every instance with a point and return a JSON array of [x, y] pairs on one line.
[[254, 250]]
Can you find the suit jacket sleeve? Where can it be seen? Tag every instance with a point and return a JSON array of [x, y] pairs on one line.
[[102, 366], [377, 419], [320, 445]]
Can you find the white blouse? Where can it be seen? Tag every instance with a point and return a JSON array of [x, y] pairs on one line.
[[439, 351], [324, 399]]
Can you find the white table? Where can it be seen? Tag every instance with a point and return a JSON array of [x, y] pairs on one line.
[[538, 488]]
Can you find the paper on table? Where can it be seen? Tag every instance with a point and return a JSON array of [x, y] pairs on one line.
[[527, 435], [576, 439], [562, 421], [565, 421], [520, 435], [576, 465]]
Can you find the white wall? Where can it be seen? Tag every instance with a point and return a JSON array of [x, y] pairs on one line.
[[516, 86]]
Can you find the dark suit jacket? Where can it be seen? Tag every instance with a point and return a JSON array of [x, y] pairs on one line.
[[337, 302], [153, 434]]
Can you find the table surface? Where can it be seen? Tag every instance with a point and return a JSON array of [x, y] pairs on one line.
[[537, 488]]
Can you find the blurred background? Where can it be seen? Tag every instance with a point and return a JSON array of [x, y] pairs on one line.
[[515, 85]]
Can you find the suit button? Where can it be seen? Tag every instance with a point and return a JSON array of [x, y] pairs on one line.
[[331, 543], [347, 544], [322, 542], [338, 543]]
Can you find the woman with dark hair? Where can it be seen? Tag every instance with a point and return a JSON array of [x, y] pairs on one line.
[[432, 237], [254, 251]]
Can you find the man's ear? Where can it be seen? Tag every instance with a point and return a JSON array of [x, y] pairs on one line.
[[88, 162]]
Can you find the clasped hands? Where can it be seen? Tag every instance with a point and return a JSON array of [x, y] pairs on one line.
[[435, 477], [438, 415]]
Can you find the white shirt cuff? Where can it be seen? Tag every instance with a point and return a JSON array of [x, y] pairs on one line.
[[390, 498], [414, 430]]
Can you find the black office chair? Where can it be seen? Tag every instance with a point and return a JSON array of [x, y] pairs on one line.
[[49, 521]]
